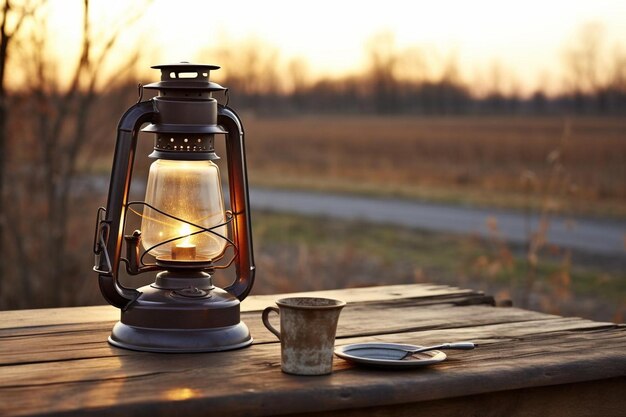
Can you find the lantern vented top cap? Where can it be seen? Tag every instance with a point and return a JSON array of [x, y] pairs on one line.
[[186, 66], [185, 76]]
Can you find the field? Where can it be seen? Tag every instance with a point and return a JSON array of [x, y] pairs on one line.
[[573, 165], [569, 166], [297, 254]]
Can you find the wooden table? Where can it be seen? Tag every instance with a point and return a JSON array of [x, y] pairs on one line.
[[57, 362]]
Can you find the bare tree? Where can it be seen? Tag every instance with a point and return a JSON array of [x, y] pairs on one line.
[[584, 58], [618, 70], [382, 72], [8, 35], [250, 69], [616, 85], [583, 62], [59, 121], [298, 74]]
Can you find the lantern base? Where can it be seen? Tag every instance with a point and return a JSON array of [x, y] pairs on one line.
[[181, 320], [180, 341]]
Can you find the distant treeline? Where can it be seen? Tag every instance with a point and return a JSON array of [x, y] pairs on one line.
[[429, 98], [592, 80]]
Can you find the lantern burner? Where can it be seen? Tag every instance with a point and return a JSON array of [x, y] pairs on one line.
[[177, 143]]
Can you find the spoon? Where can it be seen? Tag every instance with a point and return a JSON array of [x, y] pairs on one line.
[[458, 345]]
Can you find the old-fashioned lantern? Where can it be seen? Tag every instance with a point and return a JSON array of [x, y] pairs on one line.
[[186, 232]]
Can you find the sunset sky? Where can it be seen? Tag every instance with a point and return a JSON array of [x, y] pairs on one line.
[[523, 38]]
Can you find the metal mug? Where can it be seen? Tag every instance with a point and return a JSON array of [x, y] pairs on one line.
[[307, 333]]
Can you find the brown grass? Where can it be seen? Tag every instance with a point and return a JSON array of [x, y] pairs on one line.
[[468, 159]]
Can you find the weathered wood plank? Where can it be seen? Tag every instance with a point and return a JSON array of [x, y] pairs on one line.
[[66, 367], [25, 319], [246, 383], [593, 398], [136, 362], [373, 294], [88, 340], [72, 326]]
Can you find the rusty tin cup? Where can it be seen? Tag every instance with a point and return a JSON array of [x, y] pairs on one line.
[[307, 333]]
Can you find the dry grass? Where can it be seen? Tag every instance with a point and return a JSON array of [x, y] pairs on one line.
[[296, 253], [478, 160]]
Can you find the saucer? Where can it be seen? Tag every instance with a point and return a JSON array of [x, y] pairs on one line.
[[387, 355]]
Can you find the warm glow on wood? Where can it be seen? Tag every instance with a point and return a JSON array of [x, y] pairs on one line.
[[180, 394]]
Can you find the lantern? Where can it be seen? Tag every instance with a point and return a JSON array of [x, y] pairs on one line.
[[186, 233]]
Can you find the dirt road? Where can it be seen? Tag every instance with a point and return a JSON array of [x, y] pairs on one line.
[[589, 235]]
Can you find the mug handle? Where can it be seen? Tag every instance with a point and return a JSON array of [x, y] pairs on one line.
[[266, 322]]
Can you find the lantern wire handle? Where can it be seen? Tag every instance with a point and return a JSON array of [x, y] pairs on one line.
[[139, 93], [227, 96], [99, 243], [99, 222]]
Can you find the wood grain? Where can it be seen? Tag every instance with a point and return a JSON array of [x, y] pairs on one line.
[[67, 368], [88, 340], [20, 319], [554, 401]]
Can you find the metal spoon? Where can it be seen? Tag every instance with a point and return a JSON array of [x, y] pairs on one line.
[[458, 345]]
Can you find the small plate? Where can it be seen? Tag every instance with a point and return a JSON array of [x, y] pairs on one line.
[[387, 355]]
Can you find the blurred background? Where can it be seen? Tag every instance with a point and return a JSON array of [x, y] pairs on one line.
[[477, 144]]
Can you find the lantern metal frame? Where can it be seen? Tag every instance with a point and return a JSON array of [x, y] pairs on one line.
[[181, 311]]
